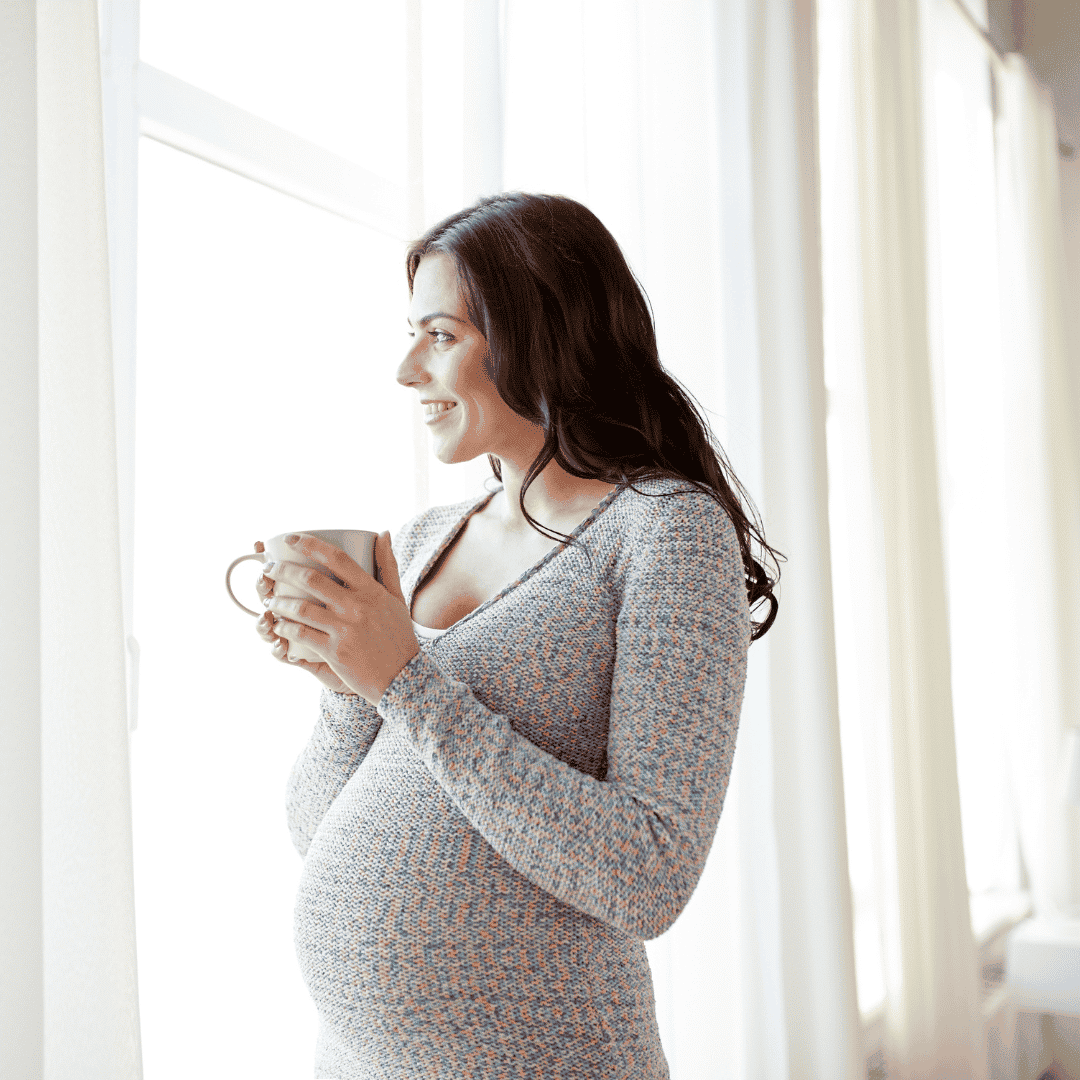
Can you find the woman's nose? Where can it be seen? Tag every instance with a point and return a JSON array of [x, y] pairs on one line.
[[408, 371]]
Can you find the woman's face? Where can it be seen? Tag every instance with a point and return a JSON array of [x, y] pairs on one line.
[[445, 363]]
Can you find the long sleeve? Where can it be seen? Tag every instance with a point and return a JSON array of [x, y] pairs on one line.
[[343, 735], [629, 849]]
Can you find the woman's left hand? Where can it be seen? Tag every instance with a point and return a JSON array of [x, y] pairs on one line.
[[364, 631]]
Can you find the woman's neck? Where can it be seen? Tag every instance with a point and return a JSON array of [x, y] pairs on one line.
[[553, 497]]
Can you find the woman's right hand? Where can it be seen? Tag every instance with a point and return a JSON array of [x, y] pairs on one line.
[[280, 647]]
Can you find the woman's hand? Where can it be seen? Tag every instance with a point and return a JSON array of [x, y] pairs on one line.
[[362, 629], [280, 647]]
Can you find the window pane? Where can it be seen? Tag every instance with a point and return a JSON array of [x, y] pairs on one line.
[[269, 336], [328, 70]]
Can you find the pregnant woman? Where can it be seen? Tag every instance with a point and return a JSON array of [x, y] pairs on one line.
[[524, 740]]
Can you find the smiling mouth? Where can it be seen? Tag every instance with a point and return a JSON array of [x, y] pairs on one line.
[[433, 413]]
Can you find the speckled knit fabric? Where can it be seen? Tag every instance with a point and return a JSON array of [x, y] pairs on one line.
[[535, 797]]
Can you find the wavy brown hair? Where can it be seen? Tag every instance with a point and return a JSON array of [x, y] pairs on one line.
[[572, 347]]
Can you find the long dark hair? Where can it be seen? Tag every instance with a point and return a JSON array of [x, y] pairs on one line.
[[572, 347]]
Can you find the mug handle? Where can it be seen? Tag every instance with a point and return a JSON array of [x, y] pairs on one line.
[[261, 557]]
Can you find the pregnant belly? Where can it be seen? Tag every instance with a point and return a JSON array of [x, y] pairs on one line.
[[411, 930]]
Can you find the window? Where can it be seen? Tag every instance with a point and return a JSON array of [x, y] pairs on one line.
[[261, 332]]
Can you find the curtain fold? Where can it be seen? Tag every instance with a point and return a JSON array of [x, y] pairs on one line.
[[824, 1032], [1043, 484], [932, 1014], [750, 862], [800, 1017], [21, 995], [90, 986]]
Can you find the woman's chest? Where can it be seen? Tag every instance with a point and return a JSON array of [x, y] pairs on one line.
[[477, 566]]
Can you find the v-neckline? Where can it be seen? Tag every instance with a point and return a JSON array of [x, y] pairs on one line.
[[455, 530]]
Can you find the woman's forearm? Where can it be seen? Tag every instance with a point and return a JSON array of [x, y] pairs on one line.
[[343, 734]]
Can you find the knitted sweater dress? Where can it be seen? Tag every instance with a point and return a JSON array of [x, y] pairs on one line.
[[533, 798]]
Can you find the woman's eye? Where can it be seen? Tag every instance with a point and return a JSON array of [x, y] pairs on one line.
[[441, 336]]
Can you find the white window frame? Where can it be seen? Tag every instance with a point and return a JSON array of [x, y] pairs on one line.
[[189, 119]]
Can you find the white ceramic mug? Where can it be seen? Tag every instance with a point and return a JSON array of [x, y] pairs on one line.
[[358, 544]]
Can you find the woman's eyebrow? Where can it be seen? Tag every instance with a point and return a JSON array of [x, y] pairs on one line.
[[435, 315]]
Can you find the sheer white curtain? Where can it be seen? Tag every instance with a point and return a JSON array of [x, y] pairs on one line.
[[890, 567], [794, 857], [69, 1001], [886, 448], [1043, 482]]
